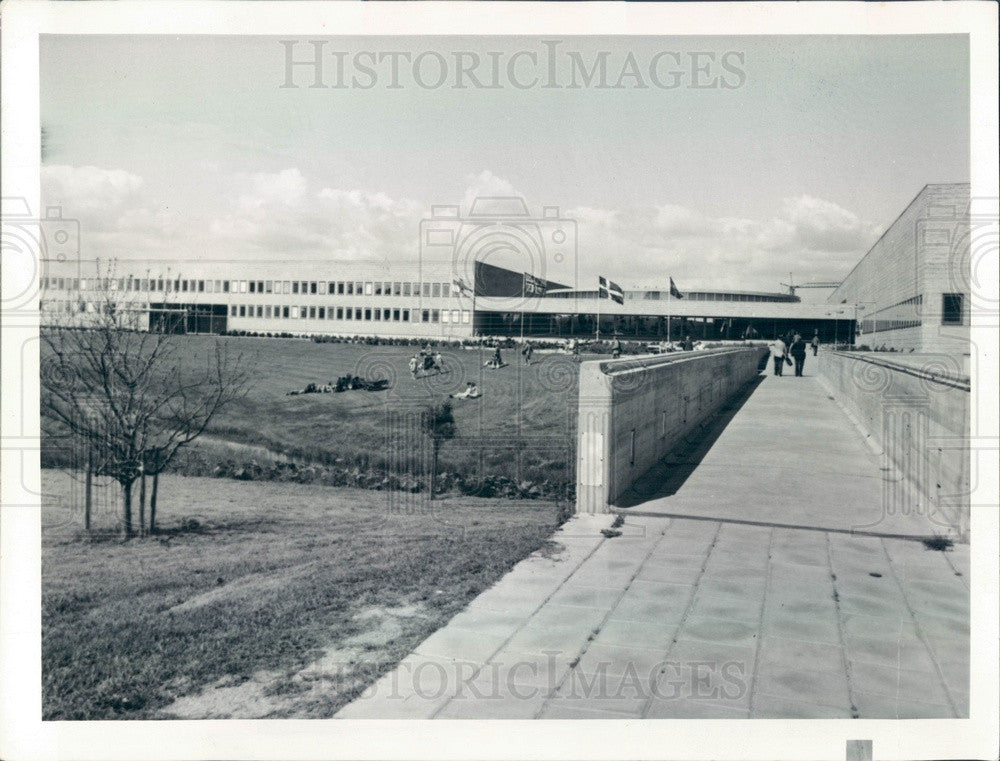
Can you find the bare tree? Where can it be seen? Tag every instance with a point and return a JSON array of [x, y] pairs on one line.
[[132, 398]]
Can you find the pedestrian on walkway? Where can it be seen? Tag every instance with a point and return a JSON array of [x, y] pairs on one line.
[[779, 352], [815, 342], [798, 352]]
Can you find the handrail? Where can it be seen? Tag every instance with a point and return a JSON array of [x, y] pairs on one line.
[[961, 382]]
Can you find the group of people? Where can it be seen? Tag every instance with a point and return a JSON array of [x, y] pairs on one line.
[[425, 361], [791, 350], [343, 383]]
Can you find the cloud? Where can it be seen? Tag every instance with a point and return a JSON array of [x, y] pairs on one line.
[[285, 188], [811, 237], [486, 184], [88, 189], [823, 226], [117, 219], [285, 215], [281, 215]]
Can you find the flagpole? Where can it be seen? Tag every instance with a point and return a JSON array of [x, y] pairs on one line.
[[597, 327], [669, 296]]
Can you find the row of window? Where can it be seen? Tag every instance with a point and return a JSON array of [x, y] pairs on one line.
[[282, 312], [905, 314], [370, 314], [302, 287]]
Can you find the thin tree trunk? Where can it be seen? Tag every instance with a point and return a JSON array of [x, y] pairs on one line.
[[152, 503], [88, 490], [142, 503], [127, 510], [434, 466]]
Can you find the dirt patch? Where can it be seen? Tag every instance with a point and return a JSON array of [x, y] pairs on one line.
[[346, 666], [244, 588]]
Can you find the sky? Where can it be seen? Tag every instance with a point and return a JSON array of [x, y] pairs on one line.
[[724, 162]]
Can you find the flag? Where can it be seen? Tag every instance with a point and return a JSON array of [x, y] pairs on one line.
[[673, 290], [611, 290], [461, 285], [532, 286]]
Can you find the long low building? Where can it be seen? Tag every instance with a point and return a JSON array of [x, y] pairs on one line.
[[424, 301], [911, 291]]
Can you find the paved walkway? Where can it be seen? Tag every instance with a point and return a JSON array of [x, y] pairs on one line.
[[738, 591]]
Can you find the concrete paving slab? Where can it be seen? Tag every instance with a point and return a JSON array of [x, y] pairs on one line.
[[615, 661], [881, 707], [896, 683], [776, 707], [777, 652], [695, 709], [644, 634], [904, 652]]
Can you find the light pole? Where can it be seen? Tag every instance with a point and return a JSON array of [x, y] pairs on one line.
[[836, 325]]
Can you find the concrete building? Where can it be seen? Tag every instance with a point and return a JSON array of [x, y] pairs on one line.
[[910, 292]]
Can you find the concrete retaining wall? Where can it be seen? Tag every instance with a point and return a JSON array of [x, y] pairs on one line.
[[916, 411], [632, 412]]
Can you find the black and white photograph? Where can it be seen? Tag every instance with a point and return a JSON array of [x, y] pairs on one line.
[[399, 361]]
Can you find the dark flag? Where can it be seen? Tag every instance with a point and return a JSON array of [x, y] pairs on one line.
[[673, 290], [611, 290]]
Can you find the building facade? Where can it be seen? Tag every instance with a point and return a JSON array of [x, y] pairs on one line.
[[911, 291]]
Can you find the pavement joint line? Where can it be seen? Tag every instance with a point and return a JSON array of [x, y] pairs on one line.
[[840, 632], [760, 625], [627, 511], [604, 621], [648, 704], [542, 604], [939, 672], [960, 575]]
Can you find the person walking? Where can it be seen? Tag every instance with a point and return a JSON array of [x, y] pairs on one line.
[[616, 349], [413, 366], [815, 343], [527, 351], [798, 352], [779, 352]]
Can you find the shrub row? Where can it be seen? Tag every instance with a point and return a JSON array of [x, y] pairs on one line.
[[446, 481]]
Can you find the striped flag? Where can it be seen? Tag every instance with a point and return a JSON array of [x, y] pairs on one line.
[[608, 289]]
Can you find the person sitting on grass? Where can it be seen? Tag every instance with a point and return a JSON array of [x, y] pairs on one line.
[[471, 392], [497, 361]]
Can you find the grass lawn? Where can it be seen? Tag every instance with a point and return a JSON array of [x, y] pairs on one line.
[[285, 600], [523, 427]]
